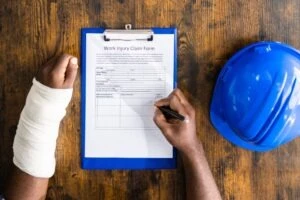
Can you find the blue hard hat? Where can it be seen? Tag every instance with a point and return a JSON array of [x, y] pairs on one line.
[[256, 100]]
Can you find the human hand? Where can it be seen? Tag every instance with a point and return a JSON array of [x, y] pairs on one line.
[[59, 72], [181, 134], [44, 109]]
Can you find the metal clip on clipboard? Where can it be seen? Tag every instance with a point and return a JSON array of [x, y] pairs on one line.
[[128, 34]]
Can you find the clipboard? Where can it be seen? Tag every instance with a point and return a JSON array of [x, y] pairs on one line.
[[120, 163]]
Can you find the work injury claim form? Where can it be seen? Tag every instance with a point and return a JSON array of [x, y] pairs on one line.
[[123, 79]]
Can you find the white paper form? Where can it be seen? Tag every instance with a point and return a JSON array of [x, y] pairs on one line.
[[123, 80]]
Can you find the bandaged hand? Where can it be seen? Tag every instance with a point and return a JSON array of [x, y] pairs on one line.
[[35, 141]]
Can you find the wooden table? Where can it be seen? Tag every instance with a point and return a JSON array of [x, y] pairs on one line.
[[209, 32]]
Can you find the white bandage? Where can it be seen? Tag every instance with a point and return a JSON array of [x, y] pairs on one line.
[[35, 141]]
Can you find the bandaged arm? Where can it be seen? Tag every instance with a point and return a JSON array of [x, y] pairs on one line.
[[35, 141]]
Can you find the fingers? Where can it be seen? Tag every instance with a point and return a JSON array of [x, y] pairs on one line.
[[160, 120], [181, 97], [183, 100], [44, 69], [174, 104], [178, 102], [61, 64], [59, 72], [162, 102], [71, 72], [50, 63]]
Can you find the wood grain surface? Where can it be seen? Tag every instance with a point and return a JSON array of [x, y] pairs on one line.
[[209, 32]]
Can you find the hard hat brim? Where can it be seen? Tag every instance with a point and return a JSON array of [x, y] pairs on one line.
[[231, 136]]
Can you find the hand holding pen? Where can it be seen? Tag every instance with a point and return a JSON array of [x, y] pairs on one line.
[[181, 133]]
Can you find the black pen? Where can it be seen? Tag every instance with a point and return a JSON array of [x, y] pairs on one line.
[[170, 114]]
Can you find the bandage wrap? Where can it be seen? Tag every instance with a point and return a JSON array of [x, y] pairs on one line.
[[35, 141]]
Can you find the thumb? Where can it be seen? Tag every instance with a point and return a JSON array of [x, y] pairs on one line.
[[71, 72], [160, 120], [163, 125]]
